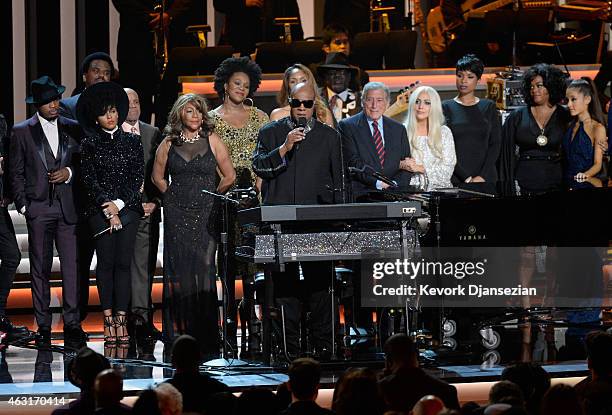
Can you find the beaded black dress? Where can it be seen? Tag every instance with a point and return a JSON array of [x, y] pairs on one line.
[[190, 294]]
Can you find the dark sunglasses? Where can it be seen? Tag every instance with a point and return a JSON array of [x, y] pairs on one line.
[[296, 103]]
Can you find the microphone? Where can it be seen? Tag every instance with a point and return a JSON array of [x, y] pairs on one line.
[[301, 123], [369, 170]]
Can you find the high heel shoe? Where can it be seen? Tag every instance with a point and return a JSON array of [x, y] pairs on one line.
[[123, 336], [109, 324]]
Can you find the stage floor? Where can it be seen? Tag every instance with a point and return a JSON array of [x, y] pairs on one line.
[[28, 374]]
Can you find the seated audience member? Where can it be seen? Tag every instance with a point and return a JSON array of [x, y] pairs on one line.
[[560, 399], [297, 74], [221, 403], [195, 387], [533, 381], [170, 399], [257, 401], [339, 87], [304, 377], [356, 393], [82, 372], [428, 405], [108, 390], [508, 392], [372, 141], [405, 382], [147, 403], [595, 391]]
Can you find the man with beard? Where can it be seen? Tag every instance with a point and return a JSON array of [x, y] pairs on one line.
[[41, 156]]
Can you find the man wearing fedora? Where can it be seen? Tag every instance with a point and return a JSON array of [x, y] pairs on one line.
[[338, 77], [41, 177]]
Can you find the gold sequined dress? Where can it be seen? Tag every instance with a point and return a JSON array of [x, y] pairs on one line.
[[240, 143]]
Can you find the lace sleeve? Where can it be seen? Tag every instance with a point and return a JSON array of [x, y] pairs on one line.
[[439, 172]]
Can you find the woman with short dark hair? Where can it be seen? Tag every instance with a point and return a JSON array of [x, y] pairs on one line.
[[475, 124], [112, 163]]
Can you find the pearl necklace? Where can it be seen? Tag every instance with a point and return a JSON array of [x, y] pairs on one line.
[[191, 140]]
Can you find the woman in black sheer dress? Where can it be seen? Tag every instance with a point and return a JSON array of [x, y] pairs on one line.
[[190, 155]]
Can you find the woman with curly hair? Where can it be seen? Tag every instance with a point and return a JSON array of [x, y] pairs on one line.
[[112, 164], [191, 154], [296, 74], [537, 131], [237, 124]]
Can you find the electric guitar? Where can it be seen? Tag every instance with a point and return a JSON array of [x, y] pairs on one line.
[[440, 36]]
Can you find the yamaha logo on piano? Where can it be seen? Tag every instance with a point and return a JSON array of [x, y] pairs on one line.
[[472, 235]]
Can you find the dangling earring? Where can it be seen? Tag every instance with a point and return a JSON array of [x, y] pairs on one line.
[[249, 105]]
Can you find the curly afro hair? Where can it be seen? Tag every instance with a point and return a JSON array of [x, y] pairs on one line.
[[232, 65], [555, 81]]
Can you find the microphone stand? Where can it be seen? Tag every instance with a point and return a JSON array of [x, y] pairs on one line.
[[225, 294]]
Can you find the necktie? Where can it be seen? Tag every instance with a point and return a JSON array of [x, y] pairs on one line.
[[134, 130], [378, 143]]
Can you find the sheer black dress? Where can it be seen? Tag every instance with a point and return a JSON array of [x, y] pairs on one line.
[[190, 294]]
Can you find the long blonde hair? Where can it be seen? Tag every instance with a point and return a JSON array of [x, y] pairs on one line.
[[435, 121]]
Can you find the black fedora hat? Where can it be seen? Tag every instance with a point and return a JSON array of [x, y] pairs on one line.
[[44, 90], [336, 60], [97, 96]]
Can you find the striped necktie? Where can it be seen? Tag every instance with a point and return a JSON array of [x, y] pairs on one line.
[[378, 143]]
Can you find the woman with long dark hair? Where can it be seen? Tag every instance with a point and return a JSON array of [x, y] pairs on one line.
[[112, 163], [586, 137]]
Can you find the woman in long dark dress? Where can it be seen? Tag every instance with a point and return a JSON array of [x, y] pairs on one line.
[[191, 154], [476, 126], [112, 165]]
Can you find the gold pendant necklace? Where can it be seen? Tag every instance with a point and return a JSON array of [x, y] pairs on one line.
[[542, 140]]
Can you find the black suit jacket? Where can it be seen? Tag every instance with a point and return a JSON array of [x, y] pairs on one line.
[[305, 408], [68, 107], [28, 166], [359, 151], [403, 389], [150, 137]]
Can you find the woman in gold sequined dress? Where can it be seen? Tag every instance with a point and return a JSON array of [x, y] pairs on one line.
[[237, 123]]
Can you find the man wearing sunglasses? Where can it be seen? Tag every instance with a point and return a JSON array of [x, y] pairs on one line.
[[299, 160]]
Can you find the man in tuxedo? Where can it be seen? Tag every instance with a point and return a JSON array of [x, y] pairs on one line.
[[374, 143], [340, 89], [147, 237], [96, 67], [9, 250], [41, 176]]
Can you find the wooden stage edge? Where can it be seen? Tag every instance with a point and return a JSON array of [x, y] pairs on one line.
[[442, 79]]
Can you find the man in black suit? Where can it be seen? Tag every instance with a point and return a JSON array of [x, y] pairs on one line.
[[9, 250], [41, 157], [96, 67], [147, 237], [375, 143], [405, 383]]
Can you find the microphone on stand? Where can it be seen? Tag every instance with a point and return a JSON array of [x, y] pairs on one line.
[[370, 171], [301, 123]]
